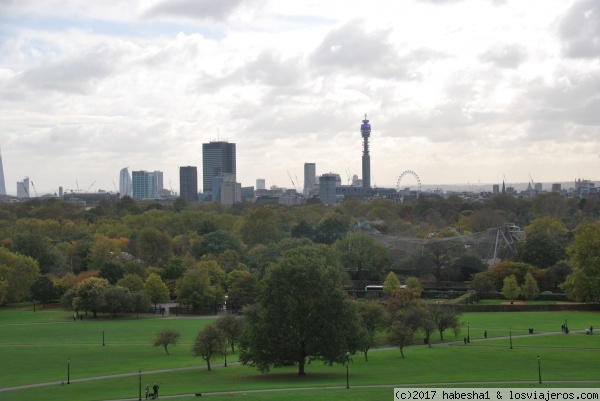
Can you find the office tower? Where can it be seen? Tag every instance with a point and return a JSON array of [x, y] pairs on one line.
[[327, 185], [23, 188], [2, 184], [260, 183], [231, 192], [158, 179], [365, 130], [217, 158], [188, 183], [310, 176], [125, 186], [144, 184]]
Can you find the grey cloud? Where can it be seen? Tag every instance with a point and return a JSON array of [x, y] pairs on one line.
[[580, 30], [215, 10], [352, 49], [505, 55], [76, 75]]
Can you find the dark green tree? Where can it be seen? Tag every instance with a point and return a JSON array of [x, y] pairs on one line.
[[166, 337], [330, 230], [302, 313], [215, 243], [43, 290], [209, 342], [232, 327], [112, 270], [372, 317], [154, 246], [542, 250], [363, 256]]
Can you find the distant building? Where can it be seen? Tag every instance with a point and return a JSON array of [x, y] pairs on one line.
[[365, 130], [217, 158], [556, 188], [327, 188], [145, 184], [188, 183], [23, 188], [496, 189], [90, 199], [310, 177], [125, 184], [247, 194], [260, 183], [231, 192]]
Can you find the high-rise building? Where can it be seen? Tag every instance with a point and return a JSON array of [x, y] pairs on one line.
[[217, 158], [2, 184], [310, 176], [231, 192], [125, 186], [260, 183], [327, 185], [188, 183], [23, 188], [145, 184], [365, 130]]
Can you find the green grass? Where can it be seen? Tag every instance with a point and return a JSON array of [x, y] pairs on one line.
[[35, 350]]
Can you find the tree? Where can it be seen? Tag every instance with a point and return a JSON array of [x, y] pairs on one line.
[[195, 289], [156, 289], [131, 281], [232, 328], [372, 317], [260, 226], [414, 285], [583, 285], [445, 318], [542, 250], [530, 289], [112, 270], [35, 246], [364, 256], [116, 299], [43, 290], [243, 291], [209, 342], [154, 246], [546, 225], [404, 324], [140, 302], [302, 313], [89, 294], [482, 284], [215, 243], [391, 284], [511, 289], [330, 230], [19, 272], [167, 337]]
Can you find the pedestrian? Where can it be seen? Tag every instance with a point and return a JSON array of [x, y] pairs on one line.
[[155, 388], [485, 334], [74, 317], [591, 330], [465, 340], [147, 390]]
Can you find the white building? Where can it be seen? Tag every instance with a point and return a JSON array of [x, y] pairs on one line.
[[23, 188]]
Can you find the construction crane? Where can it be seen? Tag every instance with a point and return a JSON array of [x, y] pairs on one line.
[[88, 190], [34, 190], [292, 180]]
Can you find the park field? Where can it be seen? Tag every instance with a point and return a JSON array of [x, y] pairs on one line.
[[40, 351]]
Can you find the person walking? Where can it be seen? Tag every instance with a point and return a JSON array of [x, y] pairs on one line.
[[155, 388], [147, 390], [485, 333]]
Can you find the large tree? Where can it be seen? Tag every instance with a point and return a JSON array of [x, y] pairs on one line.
[[195, 289], [18, 272], [302, 313], [583, 284], [156, 289], [363, 256], [260, 226], [372, 317], [154, 246], [43, 290], [209, 342], [232, 328]]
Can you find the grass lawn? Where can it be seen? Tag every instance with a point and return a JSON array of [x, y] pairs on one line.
[[35, 350]]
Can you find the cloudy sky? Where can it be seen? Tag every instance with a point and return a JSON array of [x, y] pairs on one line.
[[458, 91]]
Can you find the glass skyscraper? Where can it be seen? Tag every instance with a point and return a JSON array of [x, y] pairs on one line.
[[188, 183], [217, 158]]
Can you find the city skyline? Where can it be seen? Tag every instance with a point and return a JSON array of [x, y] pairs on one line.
[[465, 92]]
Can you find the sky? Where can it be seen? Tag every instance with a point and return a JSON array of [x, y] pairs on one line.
[[457, 91]]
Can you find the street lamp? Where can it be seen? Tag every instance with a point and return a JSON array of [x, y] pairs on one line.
[[34, 304], [103, 337], [510, 336], [539, 370], [140, 385], [468, 332], [347, 360], [68, 371]]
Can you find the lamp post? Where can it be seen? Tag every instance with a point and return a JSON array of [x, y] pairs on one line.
[[510, 336], [347, 363], [140, 385], [68, 371], [468, 332], [34, 304], [539, 370], [103, 337]]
